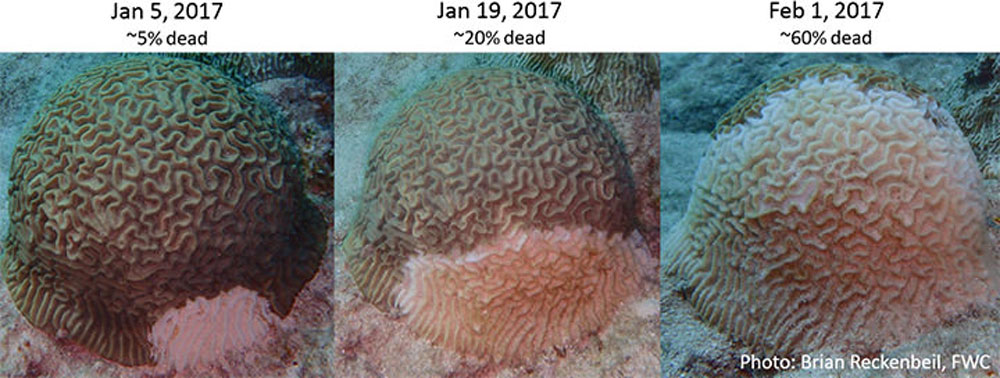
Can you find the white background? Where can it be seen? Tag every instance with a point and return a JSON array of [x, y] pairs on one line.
[[582, 25], [243, 25]]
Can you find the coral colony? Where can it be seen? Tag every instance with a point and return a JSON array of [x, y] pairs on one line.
[[498, 255], [152, 200], [839, 208]]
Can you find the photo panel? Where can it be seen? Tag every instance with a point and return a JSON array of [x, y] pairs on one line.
[[168, 214], [826, 213], [497, 214]]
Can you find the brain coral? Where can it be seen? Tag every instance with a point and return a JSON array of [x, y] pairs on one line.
[[141, 185], [498, 215], [625, 88], [837, 209], [615, 82]]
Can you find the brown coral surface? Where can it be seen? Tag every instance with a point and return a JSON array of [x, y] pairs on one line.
[[625, 89], [144, 183]]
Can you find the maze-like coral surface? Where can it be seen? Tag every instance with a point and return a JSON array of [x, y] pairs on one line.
[[142, 184], [614, 82], [866, 77], [482, 156], [477, 155], [834, 214], [625, 88], [523, 293]]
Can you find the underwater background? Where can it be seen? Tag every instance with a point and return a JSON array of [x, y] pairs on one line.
[[696, 89], [297, 89]]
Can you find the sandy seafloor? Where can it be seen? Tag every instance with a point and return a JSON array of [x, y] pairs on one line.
[[370, 88], [299, 345], [696, 89]]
